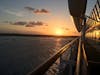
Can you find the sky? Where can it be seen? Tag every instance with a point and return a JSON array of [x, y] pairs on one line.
[[47, 17]]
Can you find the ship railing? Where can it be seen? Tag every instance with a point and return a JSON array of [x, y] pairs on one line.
[[94, 18], [82, 63], [43, 68], [75, 67]]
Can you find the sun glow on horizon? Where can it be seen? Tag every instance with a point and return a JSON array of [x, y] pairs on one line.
[[59, 32]]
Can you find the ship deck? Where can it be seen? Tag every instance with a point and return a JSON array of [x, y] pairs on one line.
[[92, 49]]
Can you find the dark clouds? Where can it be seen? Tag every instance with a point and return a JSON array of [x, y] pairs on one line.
[[19, 23], [29, 8], [37, 11], [27, 24], [32, 24]]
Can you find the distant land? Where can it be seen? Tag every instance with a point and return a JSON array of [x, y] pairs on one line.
[[32, 35]]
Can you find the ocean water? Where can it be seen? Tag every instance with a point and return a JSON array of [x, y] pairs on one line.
[[20, 55]]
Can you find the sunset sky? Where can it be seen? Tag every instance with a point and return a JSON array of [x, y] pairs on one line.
[[50, 17]]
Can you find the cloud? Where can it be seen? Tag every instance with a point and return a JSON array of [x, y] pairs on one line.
[[32, 24], [29, 8], [16, 13], [15, 23], [19, 23], [7, 22], [27, 24], [41, 11], [37, 11], [65, 28]]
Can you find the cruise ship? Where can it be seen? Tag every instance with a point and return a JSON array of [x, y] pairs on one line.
[[83, 53], [81, 56]]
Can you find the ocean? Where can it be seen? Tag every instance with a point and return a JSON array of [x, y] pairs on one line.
[[19, 54]]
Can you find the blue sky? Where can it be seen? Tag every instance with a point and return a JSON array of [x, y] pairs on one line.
[[37, 16]]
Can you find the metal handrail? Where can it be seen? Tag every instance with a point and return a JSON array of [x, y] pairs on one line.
[[95, 13], [82, 63], [84, 55], [42, 68], [78, 63]]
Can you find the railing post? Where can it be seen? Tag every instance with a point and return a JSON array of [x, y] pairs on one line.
[[78, 63], [84, 61], [81, 64]]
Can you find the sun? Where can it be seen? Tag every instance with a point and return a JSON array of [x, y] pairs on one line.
[[59, 32]]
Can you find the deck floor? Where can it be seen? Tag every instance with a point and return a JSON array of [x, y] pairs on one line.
[[93, 56]]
